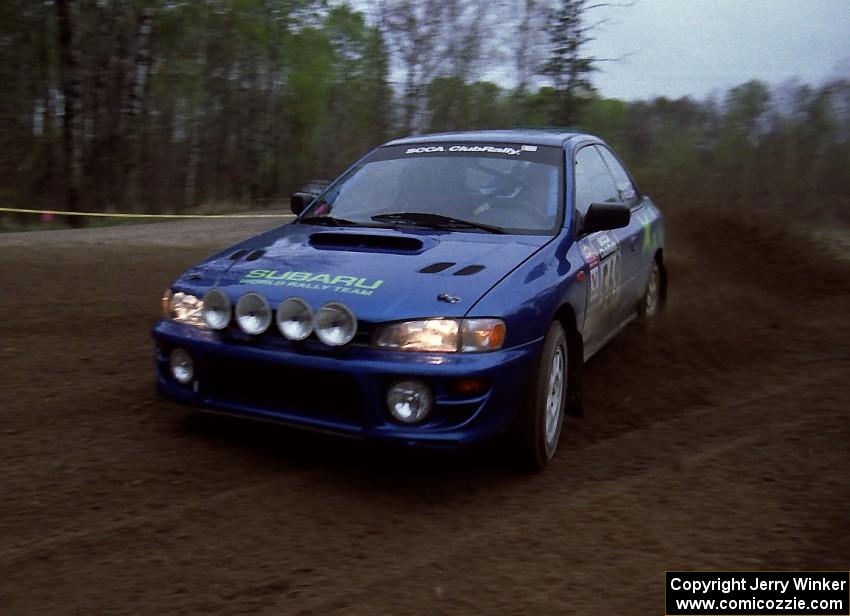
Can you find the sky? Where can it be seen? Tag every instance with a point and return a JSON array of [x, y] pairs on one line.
[[675, 48]]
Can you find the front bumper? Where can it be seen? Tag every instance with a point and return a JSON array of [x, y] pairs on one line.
[[343, 391]]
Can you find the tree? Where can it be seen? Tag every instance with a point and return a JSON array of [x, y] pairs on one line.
[[360, 94], [160, 105], [71, 95], [567, 67], [430, 39]]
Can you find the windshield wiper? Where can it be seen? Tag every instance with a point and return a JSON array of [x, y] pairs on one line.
[[329, 221], [436, 221]]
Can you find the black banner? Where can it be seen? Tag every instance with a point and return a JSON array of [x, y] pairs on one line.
[[810, 593]]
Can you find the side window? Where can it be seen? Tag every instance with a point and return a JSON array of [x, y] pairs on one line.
[[594, 183], [625, 188]]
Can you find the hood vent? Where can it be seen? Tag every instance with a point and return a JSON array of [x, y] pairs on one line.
[[366, 243], [435, 268], [469, 270], [255, 255], [238, 254]]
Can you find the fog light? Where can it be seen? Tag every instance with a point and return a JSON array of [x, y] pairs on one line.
[[182, 366], [409, 401], [335, 324], [295, 318], [216, 309], [253, 314]]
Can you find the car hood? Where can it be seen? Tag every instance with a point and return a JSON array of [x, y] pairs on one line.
[[382, 274]]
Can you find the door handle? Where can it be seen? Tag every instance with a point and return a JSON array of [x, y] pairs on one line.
[[634, 243]]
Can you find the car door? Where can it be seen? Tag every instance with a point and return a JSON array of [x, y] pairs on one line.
[[601, 250], [630, 238]]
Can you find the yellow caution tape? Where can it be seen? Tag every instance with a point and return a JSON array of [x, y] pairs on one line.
[[16, 210]]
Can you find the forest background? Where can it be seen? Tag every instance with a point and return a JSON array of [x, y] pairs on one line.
[[162, 106]]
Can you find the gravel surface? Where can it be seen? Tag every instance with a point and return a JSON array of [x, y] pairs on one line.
[[719, 438], [217, 231]]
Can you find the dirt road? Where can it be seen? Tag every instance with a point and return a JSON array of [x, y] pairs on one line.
[[720, 439]]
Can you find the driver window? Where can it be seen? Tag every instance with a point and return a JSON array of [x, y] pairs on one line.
[[594, 183], [626, 189]]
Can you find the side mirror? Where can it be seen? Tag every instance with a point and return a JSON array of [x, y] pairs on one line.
[[606, 216], [300, 201]]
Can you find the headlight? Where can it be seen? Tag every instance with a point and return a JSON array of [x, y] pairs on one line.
[[253, 313], [335, 324], [216, 309], [443, 335], [430, 335], [295, 318], [183, 307]]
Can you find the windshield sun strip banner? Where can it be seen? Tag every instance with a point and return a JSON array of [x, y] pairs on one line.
[[546, 154]]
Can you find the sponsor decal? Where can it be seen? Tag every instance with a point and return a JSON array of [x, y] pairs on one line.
[[602, 255], [489, 149], [352, 285], [646, 221], [605, 243]]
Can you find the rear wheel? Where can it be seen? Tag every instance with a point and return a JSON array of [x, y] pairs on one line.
[[650, 305], [542, 416]]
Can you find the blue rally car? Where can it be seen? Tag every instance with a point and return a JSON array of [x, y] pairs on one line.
[[444, 289]]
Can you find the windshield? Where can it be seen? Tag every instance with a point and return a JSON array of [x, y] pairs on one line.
[[509, 188]]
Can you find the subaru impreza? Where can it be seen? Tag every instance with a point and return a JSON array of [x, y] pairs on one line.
[[444, 290]]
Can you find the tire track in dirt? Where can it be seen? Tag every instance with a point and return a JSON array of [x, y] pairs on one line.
[[581, 497], [633, 441]]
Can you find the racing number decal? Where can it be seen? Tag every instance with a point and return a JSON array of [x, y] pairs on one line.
[[610, 278], [602, 255]]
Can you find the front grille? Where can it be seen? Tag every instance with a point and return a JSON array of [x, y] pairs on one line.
[[276, 387]]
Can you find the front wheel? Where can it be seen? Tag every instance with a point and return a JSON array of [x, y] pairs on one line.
[[542, 416]]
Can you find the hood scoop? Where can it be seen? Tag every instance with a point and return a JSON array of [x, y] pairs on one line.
[[469, 270], [363, 242], [435, 268]]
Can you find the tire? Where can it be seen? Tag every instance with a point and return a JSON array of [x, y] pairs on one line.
[[542, 416], [653, 297]]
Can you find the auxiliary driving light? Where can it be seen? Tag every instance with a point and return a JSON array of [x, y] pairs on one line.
[[335, 324], [181, 365], [295, 318], [253, 313], [216, 309], [409, 402]]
